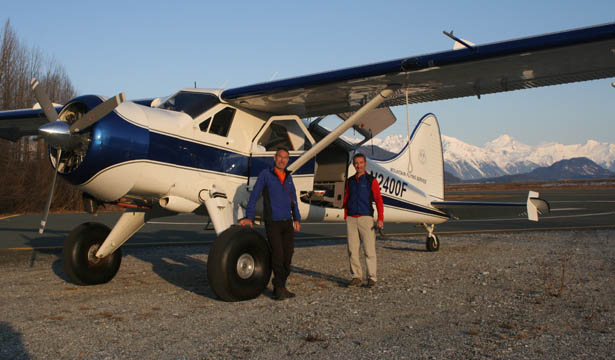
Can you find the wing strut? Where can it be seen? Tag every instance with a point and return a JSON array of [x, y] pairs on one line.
[[338, 131]]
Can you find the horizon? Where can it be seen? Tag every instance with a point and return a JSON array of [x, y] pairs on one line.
[[405, 139], [153, 49]]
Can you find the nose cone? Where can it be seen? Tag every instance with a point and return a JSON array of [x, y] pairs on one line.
[[57, 134]]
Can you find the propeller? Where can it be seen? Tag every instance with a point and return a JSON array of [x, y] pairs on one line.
[[59, 134], [41, 228]]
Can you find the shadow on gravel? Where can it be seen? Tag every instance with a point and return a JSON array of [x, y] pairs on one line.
[[12, 345], [177, 264], [419, 242], [335, 279], [183, 271], [58, 268]]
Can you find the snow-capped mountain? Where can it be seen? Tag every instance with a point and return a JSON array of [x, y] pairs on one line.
[[569, 169], [507, 156]]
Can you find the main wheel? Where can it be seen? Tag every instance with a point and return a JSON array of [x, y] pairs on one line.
[[432, 243], [238, 265], [80, 263]]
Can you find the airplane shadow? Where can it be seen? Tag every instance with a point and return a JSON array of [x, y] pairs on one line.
[[181, 265], [332, 278], [12, 344], [419, 242]]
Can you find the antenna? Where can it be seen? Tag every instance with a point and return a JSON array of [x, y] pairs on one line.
[[273, 76], [195, 84]]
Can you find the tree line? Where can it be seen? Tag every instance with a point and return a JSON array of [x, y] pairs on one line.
[[25, 170]]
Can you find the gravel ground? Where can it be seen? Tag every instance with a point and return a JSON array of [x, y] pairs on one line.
[[522, 295]]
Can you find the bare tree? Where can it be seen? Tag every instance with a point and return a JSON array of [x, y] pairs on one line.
[[26, 174]]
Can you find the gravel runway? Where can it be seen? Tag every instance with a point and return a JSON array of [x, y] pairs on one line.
[[507, 295]]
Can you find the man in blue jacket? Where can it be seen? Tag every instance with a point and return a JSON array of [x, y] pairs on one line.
[[281, 215]]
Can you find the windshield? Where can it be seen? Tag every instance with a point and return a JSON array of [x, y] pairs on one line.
[[193, 104]]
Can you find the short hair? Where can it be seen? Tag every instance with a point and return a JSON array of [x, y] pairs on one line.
[[283, 149], [359, 155]]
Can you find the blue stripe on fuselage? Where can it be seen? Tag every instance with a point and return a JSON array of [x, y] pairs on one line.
[[412, 207], [115, 140]]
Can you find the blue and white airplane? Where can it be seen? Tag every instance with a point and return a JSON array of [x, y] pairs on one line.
[[200, 150]]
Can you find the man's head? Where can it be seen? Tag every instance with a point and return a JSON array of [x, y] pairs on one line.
[[359, 162], [281, 158]]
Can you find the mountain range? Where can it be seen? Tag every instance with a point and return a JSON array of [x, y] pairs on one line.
[[502, 156]]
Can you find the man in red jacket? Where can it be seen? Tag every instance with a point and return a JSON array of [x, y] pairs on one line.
[[361, 190]]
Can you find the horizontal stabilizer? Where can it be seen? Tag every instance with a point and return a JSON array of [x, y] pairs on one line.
[[486, 209]]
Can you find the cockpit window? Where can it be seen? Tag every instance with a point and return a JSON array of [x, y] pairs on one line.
[[193, 104]]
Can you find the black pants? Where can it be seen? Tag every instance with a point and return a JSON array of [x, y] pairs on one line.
[[281, 235]]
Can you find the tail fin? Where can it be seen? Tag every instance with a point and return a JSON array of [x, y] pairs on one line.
[[421, 162]]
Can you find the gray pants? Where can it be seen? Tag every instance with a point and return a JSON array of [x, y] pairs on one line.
[[361, 230]]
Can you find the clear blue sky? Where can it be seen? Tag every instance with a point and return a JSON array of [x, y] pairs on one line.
[[152, 48]]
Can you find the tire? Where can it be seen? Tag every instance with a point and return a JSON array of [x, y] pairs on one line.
[[432, 243], [235, 247], [80, 264]]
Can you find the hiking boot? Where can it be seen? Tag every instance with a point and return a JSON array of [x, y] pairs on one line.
[[278, 294], [289, 295], [370, 283], [282, 294], [355, 282]]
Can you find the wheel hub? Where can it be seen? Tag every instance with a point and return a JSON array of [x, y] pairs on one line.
[[92, 259], [245, 266]]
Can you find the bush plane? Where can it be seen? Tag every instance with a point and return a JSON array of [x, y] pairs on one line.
[[200, 150]]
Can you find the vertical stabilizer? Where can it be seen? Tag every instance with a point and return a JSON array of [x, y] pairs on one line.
[[421, 162]]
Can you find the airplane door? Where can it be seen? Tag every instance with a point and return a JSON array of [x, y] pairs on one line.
[[282, 132]]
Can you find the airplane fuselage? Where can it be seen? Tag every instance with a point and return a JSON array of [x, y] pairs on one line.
[[163, 156]]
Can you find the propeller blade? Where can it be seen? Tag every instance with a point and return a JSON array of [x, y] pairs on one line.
[[97, 113], [43, 101], [48, 204]]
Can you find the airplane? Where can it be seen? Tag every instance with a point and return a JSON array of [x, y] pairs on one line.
[[200, 150]]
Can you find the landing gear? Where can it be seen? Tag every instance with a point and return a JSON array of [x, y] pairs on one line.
[[239, 264], [80, 263], [432, 243]]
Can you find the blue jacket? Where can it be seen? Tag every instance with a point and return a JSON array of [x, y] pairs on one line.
[[280, 201]]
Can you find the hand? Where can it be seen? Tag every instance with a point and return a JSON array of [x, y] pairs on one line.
[[380, 224], [297, 226], [246, 222]]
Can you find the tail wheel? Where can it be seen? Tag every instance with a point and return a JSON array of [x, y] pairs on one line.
[[239, 264], [79, 255], [432, 243]]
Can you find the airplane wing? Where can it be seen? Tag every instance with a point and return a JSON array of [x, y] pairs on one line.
[[17, 123], [550, 59]]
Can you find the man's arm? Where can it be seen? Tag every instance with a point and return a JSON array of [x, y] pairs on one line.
[[346, 199], [293, 196], [379, 204], [251, 208]]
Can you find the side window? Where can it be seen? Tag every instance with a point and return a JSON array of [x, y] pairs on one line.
[[205, 125], [275, 137], [283, 133], [222, 122]]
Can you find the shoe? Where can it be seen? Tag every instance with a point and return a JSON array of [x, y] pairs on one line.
[[370, 283], [289, 294], [355, 282], [282, 294], [278, 294]]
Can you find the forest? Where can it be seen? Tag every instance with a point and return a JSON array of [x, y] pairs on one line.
[[25, 170]]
